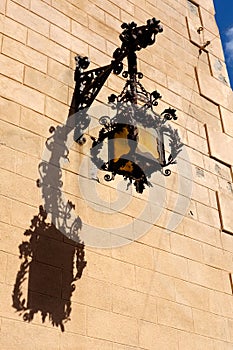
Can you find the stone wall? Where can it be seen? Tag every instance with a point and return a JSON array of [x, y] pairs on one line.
[[170, 287]]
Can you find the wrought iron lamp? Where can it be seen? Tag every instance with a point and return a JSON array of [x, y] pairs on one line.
[[135, 135]]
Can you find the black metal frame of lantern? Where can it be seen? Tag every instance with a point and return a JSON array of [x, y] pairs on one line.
[[122, 132]]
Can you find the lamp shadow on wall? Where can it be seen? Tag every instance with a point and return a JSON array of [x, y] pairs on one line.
[[49, 260], [52, 261]]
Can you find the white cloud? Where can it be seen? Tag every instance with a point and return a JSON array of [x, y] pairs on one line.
[[229, 44]]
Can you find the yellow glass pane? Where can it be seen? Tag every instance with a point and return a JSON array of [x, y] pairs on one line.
[[148, 143], [120, 144]]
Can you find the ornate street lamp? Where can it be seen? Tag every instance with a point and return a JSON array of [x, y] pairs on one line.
[[135, 135]]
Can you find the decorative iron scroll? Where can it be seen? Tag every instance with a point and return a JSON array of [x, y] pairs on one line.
[[134, 110], [88, 84]]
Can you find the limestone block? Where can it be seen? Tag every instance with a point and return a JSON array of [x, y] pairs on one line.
[[209, 277], [151, 72], [13, 264], [208, 215], [100, 58], [99, 293], [8, 157], [227, 120], [208, 21], [5, 213], [200, 194], [194, 341], [46, 84], [67, 40], [197, 142], [215, 47], [22, 94], [2, 6], [171, 98], [192, 295], [10, 111], [193, 26], [213, 89], [155, 283], [35, 122], [77, 323], [154, 237], [20, 52], [170, 8], [27, 18], [78, 14], [19, 188], [164, 337], [50, 14], [109, 7], [203, 110], [179, 87], [3, 264], [106, 269], [186, 247], [205, 178], [6, 308], [218, 344], [125, 16], [200, 231], [134, 304], [217, 168], [55, 109], [179, 27], [227, 242], [132, 252], [23, 336], [209, 324], [220, 145], [20, 140], [218, 69], [213, 199], [69, 342], [206, 4], [230, 330], [103, 30], [22, 214], [193, 125], [60, 72], [217, 257], [171, 264], [111, 326], [225, 202], [230, 100], [221, 303], [13, 29], [24, 3], [174, 315], [140, 13], [196, 157], [11, 238], [121, 347], [113, 22], [52, 49], [127, 6]]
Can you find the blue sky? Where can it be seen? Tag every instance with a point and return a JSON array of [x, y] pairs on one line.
[[224, 18]]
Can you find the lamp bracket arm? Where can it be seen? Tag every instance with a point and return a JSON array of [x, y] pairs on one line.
[[133, 38]]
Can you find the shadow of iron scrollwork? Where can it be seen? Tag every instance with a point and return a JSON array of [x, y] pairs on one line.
[[53, 256], [48, 263]]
